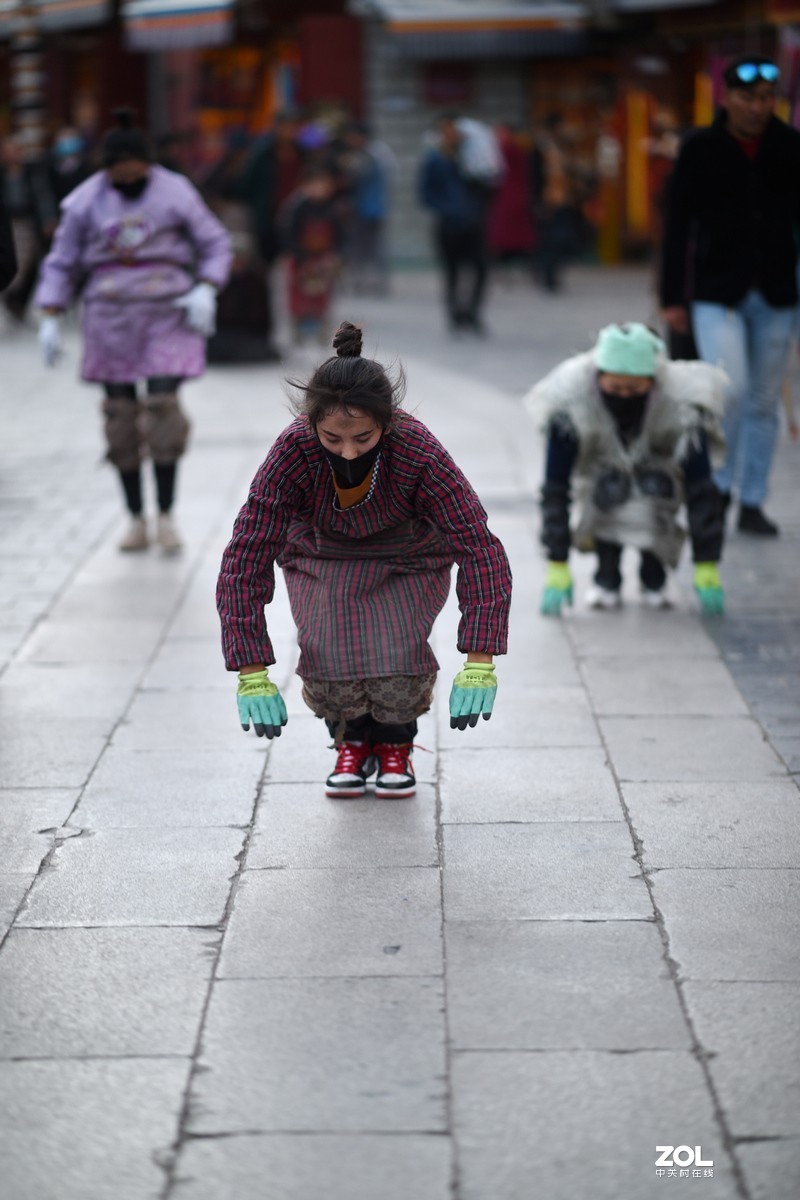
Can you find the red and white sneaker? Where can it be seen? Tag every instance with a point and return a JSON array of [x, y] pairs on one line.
[[395, 772], [355, 762]]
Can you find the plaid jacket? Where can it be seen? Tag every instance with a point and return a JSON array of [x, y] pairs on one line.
[[421, 516]]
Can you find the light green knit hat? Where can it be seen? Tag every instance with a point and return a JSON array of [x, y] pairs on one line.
[[630, 349]]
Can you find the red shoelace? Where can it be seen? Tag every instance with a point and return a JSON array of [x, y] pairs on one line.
[[351, 758], [393, 759]]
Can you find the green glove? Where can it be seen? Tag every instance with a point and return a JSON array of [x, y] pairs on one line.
[[260, 701], [557, 589], [709, 588], [473, 692]]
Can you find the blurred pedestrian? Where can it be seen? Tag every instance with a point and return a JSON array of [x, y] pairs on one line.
[[631, 432], [244, 330], [368, 165], [271, 173], [171, 152], [459, 200], [729, 256], [68, 164], [244, 311], [511, 232], [366, 514], [30, 204], [8, 251], [557, 216], [153, 257], [314, 240]]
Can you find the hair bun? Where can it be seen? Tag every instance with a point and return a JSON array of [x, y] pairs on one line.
[[124, 118], [347, 340]]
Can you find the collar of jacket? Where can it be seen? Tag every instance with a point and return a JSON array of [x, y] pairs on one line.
[[774, 128]]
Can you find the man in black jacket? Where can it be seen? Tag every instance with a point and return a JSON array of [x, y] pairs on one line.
[[729, 258]]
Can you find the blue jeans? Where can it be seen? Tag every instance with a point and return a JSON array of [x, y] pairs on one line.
[[752, 344]]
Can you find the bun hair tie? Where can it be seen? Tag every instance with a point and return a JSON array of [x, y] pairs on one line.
[[347, 340]]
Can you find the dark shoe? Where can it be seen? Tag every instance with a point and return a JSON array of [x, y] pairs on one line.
[[753, 520], [473, 321]]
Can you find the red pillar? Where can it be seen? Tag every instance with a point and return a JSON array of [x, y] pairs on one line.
[[331, 63]]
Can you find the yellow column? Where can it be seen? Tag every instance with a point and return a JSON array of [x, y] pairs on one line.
[[636, 189], [703, 99]]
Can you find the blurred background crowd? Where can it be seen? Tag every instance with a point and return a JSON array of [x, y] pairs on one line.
[[340, 139]]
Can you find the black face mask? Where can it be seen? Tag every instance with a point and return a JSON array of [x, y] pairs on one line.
[[132, 191], [350, 472], [627, 412]]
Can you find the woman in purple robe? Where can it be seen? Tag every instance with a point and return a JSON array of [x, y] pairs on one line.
[[149, 258]]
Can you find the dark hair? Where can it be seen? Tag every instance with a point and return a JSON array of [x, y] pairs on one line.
[[352, 383], [124, 142]]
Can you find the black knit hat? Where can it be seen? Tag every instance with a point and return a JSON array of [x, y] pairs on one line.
[[125, 142]]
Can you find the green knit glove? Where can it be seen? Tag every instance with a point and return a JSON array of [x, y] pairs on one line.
[[260, 701], [557, 589], [708, 586], [473, 692]]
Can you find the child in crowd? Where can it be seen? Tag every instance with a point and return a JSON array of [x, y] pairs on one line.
[[314, 240], [632, 434], [366, 513]]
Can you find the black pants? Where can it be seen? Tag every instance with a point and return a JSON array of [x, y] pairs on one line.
[[557, 241], [367, 728], [608, 575], [464, 258]]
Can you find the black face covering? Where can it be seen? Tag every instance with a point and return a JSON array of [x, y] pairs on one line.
[[132, 191], [627, 412], [350, 472]]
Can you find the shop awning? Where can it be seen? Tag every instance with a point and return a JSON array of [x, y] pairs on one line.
[[176, 24], [639, 6], [450, 29], [50, 16]]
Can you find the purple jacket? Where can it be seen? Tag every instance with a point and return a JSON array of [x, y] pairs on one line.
[[152, 248]]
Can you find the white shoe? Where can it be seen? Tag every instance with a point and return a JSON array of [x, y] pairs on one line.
[[136, 538], [656, 599], [600, 597], [167, 535]]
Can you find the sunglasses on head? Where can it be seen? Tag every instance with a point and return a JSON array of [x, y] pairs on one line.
[[750, 72]]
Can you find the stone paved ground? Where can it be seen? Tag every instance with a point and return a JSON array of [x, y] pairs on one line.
[[578, 942]]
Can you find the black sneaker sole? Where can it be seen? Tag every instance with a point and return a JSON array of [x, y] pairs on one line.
[[353, 792], [395, 793]]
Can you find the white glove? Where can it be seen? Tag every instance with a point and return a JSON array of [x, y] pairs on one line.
[[201, 308], [50, 339]]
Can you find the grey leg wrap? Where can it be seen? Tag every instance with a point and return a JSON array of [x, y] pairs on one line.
[[123, 437], [165, 427]]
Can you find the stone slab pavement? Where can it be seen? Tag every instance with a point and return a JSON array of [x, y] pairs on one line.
[[576, 944]]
